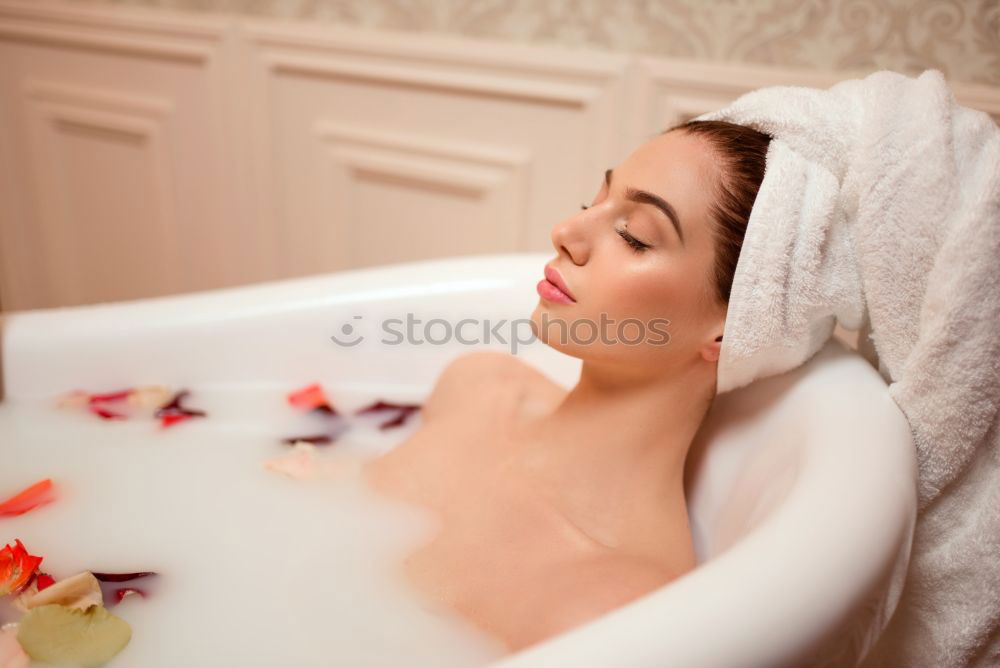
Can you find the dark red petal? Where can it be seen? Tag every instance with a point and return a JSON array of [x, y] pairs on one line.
[[120, 577], [384, 406], [319, 439], [174, 404], [399, 419], [190, 412], [173, 409], [44, 580]]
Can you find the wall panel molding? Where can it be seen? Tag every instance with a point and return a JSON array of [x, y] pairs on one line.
[[496, 178], [273, 133], [293, 63], [464, 83], [58, 110], [153, 82]]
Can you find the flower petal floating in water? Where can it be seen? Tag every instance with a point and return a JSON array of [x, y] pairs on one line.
[[114, 595], [98, 403], [302, 463], [121, 577], [299, 463], [404, 411], [79, 591], [312, 398], [122, 592], [319, 439], [120, 395], [339, 426], [173, 418], [172, 412], [38, 494], [16, 567], [149, 396], [106, 414], [58, 634]]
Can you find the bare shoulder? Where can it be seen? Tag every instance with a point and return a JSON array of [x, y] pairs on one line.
[[463, 376], [467, 377]]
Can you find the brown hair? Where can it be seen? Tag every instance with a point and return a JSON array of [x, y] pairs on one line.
[[743, 152]]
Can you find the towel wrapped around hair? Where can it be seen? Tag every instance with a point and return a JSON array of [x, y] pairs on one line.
[[880, 206]]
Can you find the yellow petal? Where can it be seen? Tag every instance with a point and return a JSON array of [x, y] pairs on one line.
[[149, 396], [80, 591], [58, 634]]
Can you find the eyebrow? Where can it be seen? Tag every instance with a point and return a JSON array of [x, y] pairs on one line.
[[643, 197]]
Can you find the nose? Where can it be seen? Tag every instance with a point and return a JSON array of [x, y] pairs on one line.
[[569, 237]]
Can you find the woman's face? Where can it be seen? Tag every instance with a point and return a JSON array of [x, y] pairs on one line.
[[630, 270]]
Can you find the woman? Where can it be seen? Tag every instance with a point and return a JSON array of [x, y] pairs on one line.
[[558, 506]]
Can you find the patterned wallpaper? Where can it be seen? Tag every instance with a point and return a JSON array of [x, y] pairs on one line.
[[959, 37]]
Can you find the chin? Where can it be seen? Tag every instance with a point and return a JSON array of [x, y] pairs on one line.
[[553, 335]]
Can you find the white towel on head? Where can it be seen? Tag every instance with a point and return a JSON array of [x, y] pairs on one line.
[[881, 203]]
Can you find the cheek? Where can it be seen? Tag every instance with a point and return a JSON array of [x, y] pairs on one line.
[[648, 292], [666, 293]]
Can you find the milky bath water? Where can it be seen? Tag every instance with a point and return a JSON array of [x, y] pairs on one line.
[[254, 568]]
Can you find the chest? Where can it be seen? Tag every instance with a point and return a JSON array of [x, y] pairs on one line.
[[497, 537]]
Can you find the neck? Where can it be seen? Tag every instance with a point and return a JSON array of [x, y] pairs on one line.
[[616, 445]]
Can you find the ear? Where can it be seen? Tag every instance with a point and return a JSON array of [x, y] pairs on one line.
[[711, 351]]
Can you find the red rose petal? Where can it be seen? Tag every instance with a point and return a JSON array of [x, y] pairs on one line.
[[112, 594], [167, 420], [312, 398], [122, 592], [172, 412], [111, 396], [16, 567], [105, 413], [44, 580], [36, 495]]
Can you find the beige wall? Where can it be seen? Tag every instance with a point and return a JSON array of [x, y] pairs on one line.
[[149, 150], [959, 37]]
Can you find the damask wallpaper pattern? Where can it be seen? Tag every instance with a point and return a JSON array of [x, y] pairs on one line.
[[959, 37]]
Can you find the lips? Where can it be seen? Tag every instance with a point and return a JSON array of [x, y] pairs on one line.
[[553, 277]]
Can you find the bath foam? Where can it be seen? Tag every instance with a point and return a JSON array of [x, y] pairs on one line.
[[254, 568]]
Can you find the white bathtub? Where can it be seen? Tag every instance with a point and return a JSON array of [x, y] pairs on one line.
[[801, 488]]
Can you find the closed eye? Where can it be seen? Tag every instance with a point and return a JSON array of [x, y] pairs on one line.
[[636, 245]]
